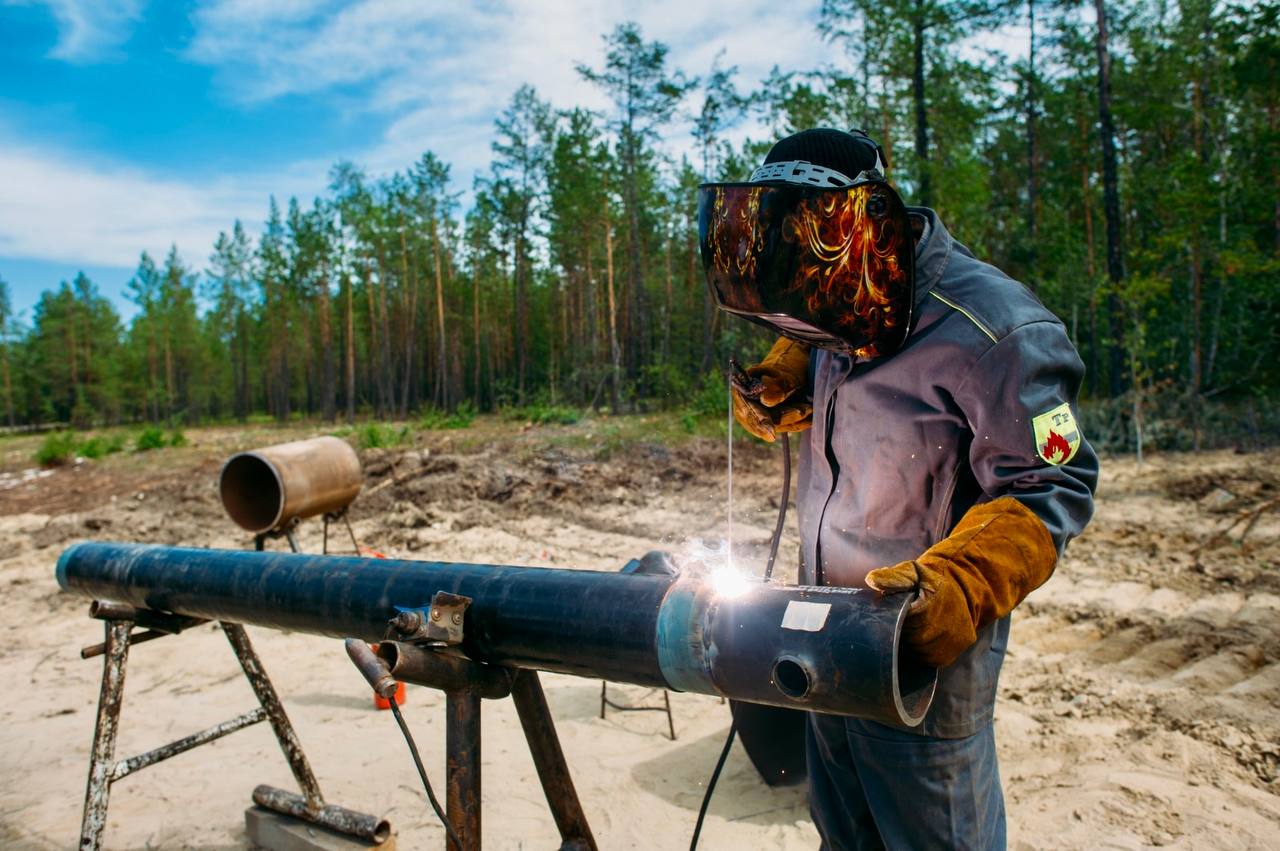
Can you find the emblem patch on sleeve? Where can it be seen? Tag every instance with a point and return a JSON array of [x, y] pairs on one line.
[[1057, 436]]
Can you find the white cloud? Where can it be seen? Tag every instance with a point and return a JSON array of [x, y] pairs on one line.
[[438, 74], [59, 207], [89, 30], [433, 76]]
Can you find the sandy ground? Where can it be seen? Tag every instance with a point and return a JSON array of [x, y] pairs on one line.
[[1138, 707]]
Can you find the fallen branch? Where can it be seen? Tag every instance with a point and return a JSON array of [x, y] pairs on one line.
[[1249, 517]]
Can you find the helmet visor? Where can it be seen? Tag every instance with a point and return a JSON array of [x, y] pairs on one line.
[[832, 267]]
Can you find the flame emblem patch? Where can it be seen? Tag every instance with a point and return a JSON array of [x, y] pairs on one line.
[[1056, 434]]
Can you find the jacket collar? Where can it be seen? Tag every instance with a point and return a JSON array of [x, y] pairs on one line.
[[932, 252]]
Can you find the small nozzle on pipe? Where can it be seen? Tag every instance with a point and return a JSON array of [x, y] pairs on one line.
[[372, 668]]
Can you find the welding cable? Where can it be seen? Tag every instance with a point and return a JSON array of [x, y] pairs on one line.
[[711, 785], [768, 574], [782, 509], [422, 772]]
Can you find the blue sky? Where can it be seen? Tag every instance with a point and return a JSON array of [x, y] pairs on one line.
[[128, 125]]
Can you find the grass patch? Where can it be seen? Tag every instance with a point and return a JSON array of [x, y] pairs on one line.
[[154, 437], [148, 439], [57, 448], [101, 445], [539, 414], [434, 419], [382, 436]]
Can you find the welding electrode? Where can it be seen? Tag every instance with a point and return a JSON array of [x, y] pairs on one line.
[[750, 387]]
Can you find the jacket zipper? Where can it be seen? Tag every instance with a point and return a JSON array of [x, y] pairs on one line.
[[834, 467], [945, 512]]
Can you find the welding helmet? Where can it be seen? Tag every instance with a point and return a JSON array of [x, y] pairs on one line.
[[816, 245]]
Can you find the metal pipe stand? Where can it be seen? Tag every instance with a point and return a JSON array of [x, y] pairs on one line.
[[104, 770], [464, 684]]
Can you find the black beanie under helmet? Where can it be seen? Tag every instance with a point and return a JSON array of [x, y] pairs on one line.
[[848, 153]]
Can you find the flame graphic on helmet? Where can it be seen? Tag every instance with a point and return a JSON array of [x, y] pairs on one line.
[[1056, 449], [849, 266], [737, 215]]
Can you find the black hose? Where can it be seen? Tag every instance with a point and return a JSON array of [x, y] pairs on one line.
[[768, 575], [782, 508], [711, 785], [422, 772]]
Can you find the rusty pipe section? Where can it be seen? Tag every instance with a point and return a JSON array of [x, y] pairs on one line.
[[265, 489], [824, 649], [373, 669], [413, 664], [341, 819]]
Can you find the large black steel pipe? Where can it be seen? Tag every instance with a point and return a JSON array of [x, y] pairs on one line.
[[826, 649]]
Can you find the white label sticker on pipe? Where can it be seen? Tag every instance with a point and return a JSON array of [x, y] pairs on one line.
[[809, 617]]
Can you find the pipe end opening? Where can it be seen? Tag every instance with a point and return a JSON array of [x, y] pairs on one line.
[[389, 653], [791, 678], [916, 684], [251, 492]]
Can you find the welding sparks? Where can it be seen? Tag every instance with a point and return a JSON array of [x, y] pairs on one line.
[[714, 563]]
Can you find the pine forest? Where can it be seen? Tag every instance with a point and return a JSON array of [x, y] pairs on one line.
[[1126, 167]]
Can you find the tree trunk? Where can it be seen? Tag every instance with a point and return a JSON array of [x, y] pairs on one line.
[[637, 318], [8, 388], [615, 354], [1033, 175], [350, 360], [388, 381], [592, 318], [409, 279], [666, 308], [522, 315], [328, 381], [1111, 203], [442, 398], [168, 372], [1194, 377], [375, 347], [475, 331], [917, 96]]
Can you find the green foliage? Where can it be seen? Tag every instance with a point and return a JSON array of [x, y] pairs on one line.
[[100, 445], [148, 439], [382, 436], [544, 414], [433, 419], [57, 448], [577, 276], [711, 398]]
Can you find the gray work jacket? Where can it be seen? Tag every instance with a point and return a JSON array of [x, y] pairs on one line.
[[902, 446]]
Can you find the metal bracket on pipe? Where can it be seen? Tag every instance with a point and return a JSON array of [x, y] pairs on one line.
[[441, 624], [155, 624]]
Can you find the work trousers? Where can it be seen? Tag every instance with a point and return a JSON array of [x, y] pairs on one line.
[[875, 787]]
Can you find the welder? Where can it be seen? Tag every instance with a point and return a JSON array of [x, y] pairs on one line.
[[940, 455]]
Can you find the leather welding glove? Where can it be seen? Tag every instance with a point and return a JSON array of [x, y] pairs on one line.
[[998, 553], [782, 375]]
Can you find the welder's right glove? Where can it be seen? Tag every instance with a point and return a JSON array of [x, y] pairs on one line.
[[780, 405], [998, 553]]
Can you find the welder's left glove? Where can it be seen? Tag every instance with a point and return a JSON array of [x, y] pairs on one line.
[[998, 553], [778, 404]]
